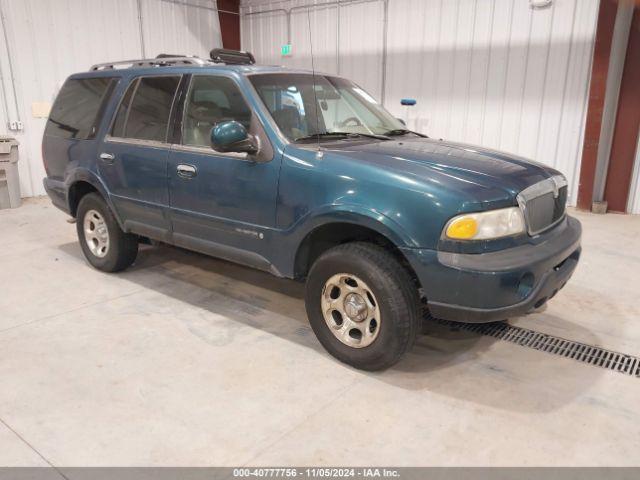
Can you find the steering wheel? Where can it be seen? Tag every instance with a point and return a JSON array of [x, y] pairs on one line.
[[356, 122]]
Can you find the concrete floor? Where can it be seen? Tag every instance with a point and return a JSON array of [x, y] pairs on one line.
[[186, 360]]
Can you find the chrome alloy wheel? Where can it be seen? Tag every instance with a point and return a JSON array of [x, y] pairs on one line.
[[96, 233], [350, 310]]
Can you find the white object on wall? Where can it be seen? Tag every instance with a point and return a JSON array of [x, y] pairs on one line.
[[540, 3], [40, 109]]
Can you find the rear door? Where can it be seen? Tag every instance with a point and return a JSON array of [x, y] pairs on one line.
[[70, 134], [222, 204], [133, 157]]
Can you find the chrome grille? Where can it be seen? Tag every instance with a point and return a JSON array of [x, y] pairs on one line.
[[543, 204]]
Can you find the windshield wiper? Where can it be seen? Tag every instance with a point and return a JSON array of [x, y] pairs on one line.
[[401, 131], [341, 134]]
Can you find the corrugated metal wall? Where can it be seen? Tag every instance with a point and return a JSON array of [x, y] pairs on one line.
[[347, 38], [491, 72], [634, 193], [47, 40]]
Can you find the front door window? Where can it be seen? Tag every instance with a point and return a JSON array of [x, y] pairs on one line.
[[211, 100]]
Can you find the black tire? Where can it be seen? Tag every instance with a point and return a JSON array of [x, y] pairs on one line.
[[392, 287], [123, 247]]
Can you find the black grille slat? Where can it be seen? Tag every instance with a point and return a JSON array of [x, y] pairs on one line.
[[560, 203], [581, 352]]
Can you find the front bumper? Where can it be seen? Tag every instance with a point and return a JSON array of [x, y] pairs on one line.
[[493, 286]]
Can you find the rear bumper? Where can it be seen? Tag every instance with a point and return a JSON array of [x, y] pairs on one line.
[[498, 285], [57, 192]]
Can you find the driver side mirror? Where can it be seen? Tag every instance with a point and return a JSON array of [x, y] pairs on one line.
[[232, 136]]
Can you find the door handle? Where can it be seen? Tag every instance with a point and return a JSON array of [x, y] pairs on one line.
[[187, 171], [107, 157]]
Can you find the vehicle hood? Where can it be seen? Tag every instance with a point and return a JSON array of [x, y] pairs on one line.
[[485, 174]]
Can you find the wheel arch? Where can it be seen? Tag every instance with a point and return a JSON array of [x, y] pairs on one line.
[[82, 182], [331, 233]]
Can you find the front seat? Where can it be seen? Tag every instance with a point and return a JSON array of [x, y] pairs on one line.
[[199, 122], [288, 119]]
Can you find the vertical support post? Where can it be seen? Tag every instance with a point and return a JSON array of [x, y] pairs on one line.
[[385, 30], [597, 89], [338, 38], [627, 124], [140, 29], [12, 76], [229, 16]]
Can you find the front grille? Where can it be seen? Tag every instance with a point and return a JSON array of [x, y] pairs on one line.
[[543, 204]]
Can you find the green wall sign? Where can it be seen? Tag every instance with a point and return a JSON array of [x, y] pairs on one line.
[[285, 50]]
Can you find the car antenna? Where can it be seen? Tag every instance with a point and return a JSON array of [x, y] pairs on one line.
[[315, 93]]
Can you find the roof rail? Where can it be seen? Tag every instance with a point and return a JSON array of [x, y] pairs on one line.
[[160, 61], [232, 57]]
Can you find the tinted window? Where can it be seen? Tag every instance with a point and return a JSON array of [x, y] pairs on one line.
[[211, 100], [118, 124], [145, 109], [75, 112], [304, 105]]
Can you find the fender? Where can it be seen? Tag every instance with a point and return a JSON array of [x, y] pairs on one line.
[[342, 213], [81, 174]]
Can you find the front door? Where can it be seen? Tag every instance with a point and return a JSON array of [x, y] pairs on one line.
[[222, 204], [133, 158]]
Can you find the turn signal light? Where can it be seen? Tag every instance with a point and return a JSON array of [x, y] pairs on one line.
[[463, 228]]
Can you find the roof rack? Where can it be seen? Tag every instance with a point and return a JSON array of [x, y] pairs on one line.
[[218, 55], [232, 57], [161, 60]]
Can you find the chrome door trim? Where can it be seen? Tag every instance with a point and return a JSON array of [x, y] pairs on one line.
[[209, 151], [137, 142]]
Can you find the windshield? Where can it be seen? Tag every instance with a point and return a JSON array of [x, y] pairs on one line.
[[342, 106]]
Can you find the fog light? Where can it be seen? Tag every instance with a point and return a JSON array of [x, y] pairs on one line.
[[525, 285]]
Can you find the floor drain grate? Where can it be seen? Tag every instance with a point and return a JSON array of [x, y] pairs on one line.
[[590, 354]]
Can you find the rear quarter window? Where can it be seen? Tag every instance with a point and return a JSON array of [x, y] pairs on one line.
[[75, 113]]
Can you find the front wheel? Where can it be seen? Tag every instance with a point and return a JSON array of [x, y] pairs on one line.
[[103, 243], [362, 305]]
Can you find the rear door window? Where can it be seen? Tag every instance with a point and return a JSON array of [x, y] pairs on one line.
[[75, 113], [145, 109]]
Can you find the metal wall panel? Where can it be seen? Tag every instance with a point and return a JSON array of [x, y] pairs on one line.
[[347, 39], [491, 72], [634, 193], [50, 39], [175, 27]]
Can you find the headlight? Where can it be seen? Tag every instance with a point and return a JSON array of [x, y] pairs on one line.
[[485, 225]]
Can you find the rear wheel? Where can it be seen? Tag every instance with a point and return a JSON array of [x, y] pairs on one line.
[[362, 305], [103, 242]]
